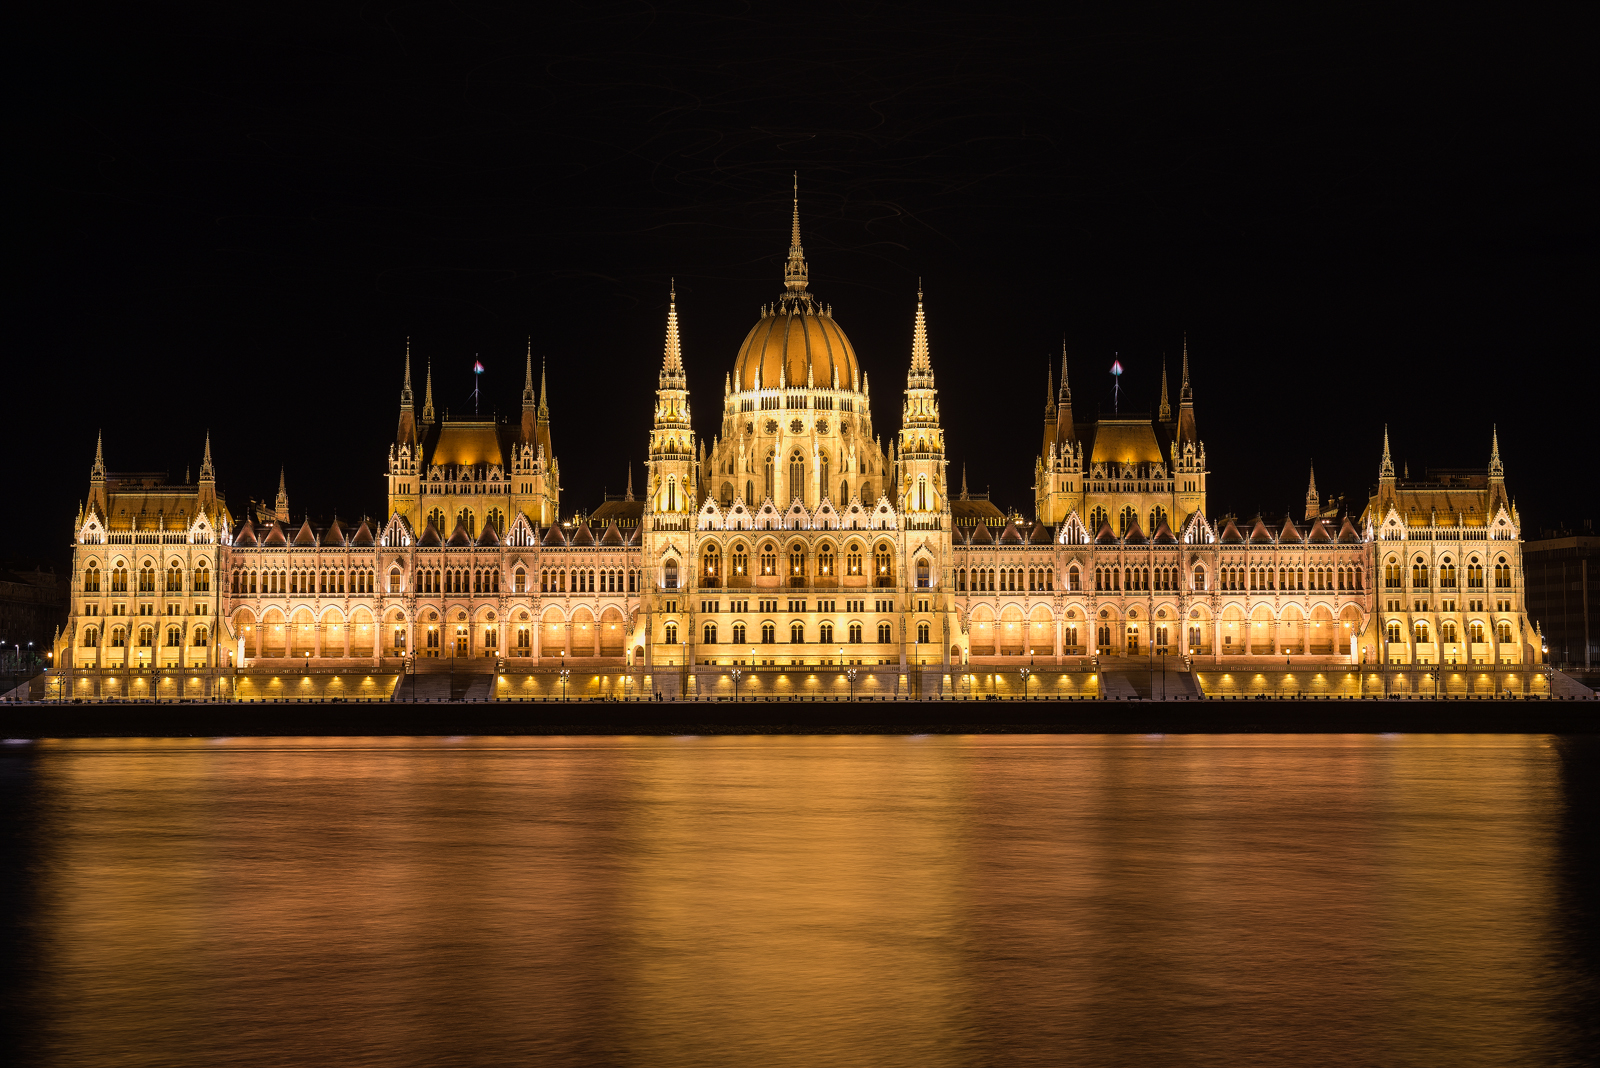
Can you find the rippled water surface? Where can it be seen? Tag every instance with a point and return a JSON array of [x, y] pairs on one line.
[[802, 901]]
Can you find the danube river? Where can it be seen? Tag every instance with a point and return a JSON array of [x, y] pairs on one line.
[[1198, 900]]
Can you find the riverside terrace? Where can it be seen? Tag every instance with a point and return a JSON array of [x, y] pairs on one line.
[[1157, 680]]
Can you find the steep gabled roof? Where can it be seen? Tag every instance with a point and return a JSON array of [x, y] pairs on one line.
[[981, 535], [1231, 535], [612, 536], [431, 538], [1011, 535], [1040, 535], [1290, 535], [246, 534], [490, 535], [275, 538], [1164, 535], [1260, 533], [334, 535], [1133, 535], [554, 535], [1319, 533], [1105, 535], [363, 535], [583, 535], [1347, 533], [635, 534], [305, 536], [459, 535]]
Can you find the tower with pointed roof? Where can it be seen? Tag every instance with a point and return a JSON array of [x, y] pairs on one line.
[[280, 508], [405, 451], [1058, 471], [1313, 502], [671, 463], [921, 464]]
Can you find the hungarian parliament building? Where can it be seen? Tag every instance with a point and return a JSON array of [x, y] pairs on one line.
[[797, 540]]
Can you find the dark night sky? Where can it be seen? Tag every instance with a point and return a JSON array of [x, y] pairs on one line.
[[230, 218]]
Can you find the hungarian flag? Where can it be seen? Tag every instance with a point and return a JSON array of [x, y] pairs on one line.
[[477, 368]]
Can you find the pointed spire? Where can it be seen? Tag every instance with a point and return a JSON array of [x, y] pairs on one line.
[[672, 374], [1049, 392], [1065, 396], [1165, 413], [282, 503], [529, 400], [1313, 503], [99, 468], [1496, 468], [1386, 467], [795, 273], [1184, 392], [544, 396], [629, 496], [405, 388], [919, 339], [207, 472], [427, 395], [964, 482]]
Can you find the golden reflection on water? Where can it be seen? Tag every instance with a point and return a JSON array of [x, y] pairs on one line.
[[804, 901]]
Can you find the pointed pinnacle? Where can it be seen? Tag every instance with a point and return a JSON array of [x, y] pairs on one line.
[[527, 377], [919, 338], [407, 387], [98, 436]]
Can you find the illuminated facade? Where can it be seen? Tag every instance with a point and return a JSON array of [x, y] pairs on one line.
[[796, 539]]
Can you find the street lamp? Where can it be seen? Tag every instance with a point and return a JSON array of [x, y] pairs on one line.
[[736, 674], [564, 673], [850, 673], [1025, 674]]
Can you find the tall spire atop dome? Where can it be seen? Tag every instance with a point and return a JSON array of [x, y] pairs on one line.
[[795, 272]]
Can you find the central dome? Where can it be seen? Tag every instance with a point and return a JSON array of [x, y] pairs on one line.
[[792, 338]]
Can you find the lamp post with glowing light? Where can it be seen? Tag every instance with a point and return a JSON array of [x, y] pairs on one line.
[[736, 673], [564, 673], [1025, 674], [850, 673]]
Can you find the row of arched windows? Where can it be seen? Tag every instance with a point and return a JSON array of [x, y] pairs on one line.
[[200, 637], [1422, 574], [1420, 631], [588, 580], [1006, 579], [92, 579], [304, 582]]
